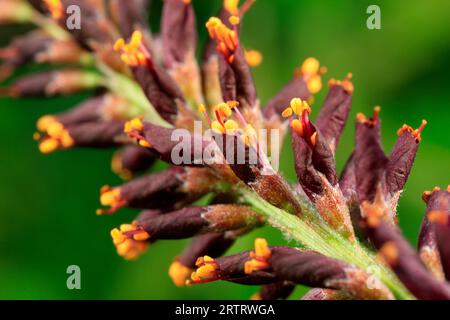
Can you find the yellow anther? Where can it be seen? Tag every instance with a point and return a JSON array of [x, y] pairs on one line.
[[48, 145], [287, 112], [117, 236], [207, 259], [179, 273], [132, 53], [233, 104], [66, 140], [217, 127], [201, 108], [127, 227], [145, 144], [130, 246], [111, 197], [223, 109], [299, 106], [55, 7], [254, 265], [313, 138], [141, 236], [253, 58], [310, 66], [314, 84], [262, 249], [260, 256], [245, 139], [234, 20], [135, 124], [206, 271], [55, 129], [297, 126], [231, 6], [44, 122], [119, 44], [227, 39], [296, 105], [125, 247], [136, 40], [231, 125]]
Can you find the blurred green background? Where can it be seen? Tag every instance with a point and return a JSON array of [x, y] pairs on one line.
[[48, 202]]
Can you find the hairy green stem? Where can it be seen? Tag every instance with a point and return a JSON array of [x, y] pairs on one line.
[[324, 240]]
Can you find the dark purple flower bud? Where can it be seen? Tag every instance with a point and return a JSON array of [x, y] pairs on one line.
[[313, 158], [274, 291], [171, 188], [369, 157], [335, 110], [87, 135], [87, 111], [161, 90], [401, 160], [400, 256], [132, 15], [97, 134], [132, 160], [53, 83], [435, 232], [189, 222], [162, 142], [178, 29], [230, 268], [315, 270], [22, 50], [347, 184]]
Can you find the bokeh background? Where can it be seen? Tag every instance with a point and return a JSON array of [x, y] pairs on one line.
[[48, 202]]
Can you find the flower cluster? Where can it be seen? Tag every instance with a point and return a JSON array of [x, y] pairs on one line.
[[149, 84]]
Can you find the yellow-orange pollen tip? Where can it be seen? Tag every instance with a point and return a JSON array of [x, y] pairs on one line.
[[55, 7], [179, 273], [253, 57], [133, 52], [311, 72], [416, 133], [226, 39], [57, 136], [207, 270], [130, 240], [260, 257]]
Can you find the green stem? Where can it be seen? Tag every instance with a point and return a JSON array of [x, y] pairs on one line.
[[324, 240]]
